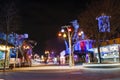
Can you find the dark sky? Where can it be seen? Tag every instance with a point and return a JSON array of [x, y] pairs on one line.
[[42, 19]]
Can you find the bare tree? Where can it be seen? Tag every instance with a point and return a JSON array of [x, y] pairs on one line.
[[89, 24], [9, 16], [8, 23], [88, 18]]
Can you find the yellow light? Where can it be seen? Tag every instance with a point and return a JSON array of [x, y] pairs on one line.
[[80, 33], [47, 52], [26, 47], [3, 47], [64, 35]]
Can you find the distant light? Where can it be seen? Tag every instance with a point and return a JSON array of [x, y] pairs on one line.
[[79, 34], [25, 35], [59, 34], [62, 30], [69, 29], [64, 35], [82, 32], [47, 52]]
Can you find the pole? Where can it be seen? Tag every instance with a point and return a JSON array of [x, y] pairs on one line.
[[71, 60], [70, 47], [119, 52], [72, 52], [98, 48]]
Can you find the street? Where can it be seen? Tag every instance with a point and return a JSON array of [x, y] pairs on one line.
[[63, 74]]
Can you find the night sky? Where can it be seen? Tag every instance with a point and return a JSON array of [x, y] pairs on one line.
[[42, 19]]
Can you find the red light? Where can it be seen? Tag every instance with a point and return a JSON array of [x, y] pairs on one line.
[[69, 29], [59, 34]]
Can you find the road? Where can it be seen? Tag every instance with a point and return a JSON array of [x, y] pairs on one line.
[[63, 74]]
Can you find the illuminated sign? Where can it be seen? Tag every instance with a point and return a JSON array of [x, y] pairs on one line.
[[103, 23]]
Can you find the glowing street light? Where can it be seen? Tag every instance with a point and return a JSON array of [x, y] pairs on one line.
[[68, 34], [64, 35], [73, 37], [80, 33], [59, 34]]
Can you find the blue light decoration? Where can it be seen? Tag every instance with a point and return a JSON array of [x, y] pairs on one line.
[[76, 27], [12, 53], [103, 23], [14, 39], [84, 46], [67, 51], [74, 37]]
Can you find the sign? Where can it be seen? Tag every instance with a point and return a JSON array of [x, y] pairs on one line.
[[103, 23]]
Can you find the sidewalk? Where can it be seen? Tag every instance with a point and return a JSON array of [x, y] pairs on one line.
[[102, 65], [63, 67], [52, 67]]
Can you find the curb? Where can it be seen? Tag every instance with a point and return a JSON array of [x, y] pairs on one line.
[[116, 65], [57, 67], [44, 68]]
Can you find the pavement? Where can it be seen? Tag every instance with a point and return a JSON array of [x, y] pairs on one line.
[[62, 67], [101, 65], [48, 68]]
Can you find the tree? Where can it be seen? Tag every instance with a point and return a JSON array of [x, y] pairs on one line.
[[8, 22], [88, 22], [9, 16]]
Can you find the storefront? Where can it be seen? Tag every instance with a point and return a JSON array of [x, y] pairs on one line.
[[83, 49], [109, 53], [4, 50]]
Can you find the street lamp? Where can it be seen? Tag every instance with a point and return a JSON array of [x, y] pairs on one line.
[[67, 32]]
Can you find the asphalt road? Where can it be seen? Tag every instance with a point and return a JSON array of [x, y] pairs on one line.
[[66, 74]]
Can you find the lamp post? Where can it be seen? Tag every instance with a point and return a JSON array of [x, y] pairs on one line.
[[69, 35], [70, 47], [66, 31]]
